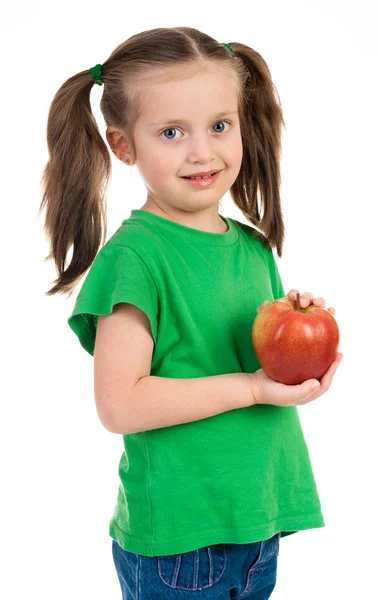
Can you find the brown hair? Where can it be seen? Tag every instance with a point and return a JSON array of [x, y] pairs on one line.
[[79, 166]]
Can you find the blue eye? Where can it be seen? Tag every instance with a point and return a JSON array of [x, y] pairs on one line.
[[175, 128]]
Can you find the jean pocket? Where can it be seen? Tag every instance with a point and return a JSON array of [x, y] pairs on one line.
[[195, 570], [267, 550]]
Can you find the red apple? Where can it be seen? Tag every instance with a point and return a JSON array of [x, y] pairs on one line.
[[293, 344]]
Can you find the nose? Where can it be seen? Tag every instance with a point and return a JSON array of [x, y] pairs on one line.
[[201, 150]]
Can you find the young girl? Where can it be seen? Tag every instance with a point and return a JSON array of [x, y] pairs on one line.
[[215, 468]]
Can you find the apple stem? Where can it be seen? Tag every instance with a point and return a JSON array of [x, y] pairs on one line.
[[298, 302]]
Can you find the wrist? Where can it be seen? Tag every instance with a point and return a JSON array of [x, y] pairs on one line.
[[254, 389]]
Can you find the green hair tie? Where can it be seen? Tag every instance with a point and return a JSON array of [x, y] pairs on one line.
[[229, 47], [97, 74]]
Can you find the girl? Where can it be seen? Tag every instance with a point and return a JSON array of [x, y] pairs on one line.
[[215, 468]]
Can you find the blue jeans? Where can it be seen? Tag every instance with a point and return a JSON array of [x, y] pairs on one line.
[[217, 572]]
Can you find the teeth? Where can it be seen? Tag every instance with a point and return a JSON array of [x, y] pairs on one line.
[[204, 177]]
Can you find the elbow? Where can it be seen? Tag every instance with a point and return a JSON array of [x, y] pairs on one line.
[[117, 415], [112, 412], [111, 428], [113, 425]]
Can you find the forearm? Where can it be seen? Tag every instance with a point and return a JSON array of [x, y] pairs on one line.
[[157, 402]]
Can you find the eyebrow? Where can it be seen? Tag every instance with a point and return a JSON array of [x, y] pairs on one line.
[[183, 121]]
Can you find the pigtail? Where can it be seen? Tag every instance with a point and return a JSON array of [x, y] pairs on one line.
[[74, 181], [261, 120]]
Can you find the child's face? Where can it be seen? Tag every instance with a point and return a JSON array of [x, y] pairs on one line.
[[167, 149]]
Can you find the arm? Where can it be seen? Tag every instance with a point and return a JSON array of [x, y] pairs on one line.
[[129, 399], [156, 402]]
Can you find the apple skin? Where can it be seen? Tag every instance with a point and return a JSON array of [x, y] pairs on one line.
[[294, 345]]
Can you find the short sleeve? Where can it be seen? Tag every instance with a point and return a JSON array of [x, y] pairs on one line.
[[275, 277], [117, 274]]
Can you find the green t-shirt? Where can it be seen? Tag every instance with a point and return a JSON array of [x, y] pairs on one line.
[[237, 477]]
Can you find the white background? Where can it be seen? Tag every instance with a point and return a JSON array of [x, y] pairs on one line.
[[58, 464]]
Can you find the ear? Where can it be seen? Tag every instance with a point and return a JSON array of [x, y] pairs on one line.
[[117, 143]]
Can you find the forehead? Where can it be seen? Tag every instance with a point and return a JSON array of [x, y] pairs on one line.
[[188, 92]]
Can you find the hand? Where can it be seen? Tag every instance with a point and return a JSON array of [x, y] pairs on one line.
[[267, 391], [305, 300]]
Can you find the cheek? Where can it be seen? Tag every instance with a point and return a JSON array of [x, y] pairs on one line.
[[160, 171], [232, 153], [155, 167], [238, 158], [238, 149]]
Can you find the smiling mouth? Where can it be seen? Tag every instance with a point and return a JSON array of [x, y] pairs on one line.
[[198, 177]]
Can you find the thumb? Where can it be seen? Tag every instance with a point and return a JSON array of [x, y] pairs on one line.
[[307, 388]]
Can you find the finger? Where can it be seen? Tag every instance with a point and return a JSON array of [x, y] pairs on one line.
[[306, 299], [332, 310], [319, 301], [292, 295], [326, 379], [261, 306], [304, 392]]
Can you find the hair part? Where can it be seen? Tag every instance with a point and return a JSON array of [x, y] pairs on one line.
[[79, 167]]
